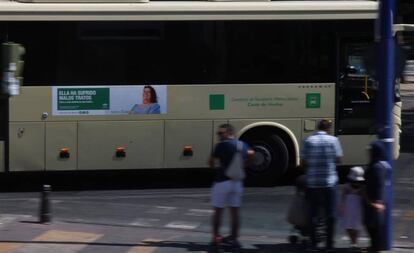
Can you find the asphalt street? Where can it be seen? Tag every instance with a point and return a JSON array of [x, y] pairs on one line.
[[177, 219]]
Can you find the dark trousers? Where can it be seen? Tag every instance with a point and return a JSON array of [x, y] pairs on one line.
[[322, 205], [374, 222]]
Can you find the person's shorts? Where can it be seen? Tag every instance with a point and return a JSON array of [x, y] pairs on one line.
[[226, 193]]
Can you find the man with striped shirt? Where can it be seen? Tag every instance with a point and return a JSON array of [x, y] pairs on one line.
[[320, 154]]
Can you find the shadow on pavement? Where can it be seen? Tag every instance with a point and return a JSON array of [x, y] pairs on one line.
[[257, 248], [106, 180], [195, 246], [113, 179]]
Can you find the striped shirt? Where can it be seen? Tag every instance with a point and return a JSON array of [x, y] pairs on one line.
[[320, 152]]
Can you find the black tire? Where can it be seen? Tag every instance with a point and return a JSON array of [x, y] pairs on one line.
[[271, 158]]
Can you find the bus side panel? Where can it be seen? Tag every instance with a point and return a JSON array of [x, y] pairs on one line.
[[27, 146], [198, 102], [294, 125], [355, 148], [251, 101], [142, 141], [195, 133], [2, 156], [61, 135], [31, 104]]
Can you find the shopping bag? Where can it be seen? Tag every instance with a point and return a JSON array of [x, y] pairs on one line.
[[235, 171]]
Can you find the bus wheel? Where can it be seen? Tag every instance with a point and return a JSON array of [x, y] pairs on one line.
[[271, 157]]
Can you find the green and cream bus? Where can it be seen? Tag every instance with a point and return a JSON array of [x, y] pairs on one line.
[[270, 68]]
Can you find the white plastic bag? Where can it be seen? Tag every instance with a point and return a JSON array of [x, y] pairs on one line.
[[235, 171]]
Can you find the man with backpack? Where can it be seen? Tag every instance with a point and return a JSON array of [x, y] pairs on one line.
[[227, 189]]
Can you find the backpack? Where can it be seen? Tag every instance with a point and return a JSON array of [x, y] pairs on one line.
[[235, 171]]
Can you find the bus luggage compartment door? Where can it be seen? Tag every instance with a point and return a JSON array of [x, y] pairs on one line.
[[61, 136], [141, 143], [197, 134], [27, 146]]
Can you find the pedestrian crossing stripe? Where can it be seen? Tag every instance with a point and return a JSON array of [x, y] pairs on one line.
[[6, 247], [68, 236], [144, 249], [9, 218], [143, 222], [409, 215], [161, 209], [183, 225], [67, 242], [54, 241], [199, 212]]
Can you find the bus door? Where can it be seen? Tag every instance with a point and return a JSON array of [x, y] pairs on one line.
[[356, 92], [356, 96]]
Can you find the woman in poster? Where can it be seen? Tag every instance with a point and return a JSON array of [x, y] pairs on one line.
[[149, 102]]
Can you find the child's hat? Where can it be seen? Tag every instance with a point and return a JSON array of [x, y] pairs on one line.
[[356, 174]]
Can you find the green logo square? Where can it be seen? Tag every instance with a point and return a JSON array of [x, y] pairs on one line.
[[313, 100], [216, 101]]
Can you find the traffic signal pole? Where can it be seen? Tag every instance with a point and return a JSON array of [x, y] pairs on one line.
[[385, 103]]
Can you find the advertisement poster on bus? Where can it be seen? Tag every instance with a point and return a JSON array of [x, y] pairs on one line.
[[109, 100]]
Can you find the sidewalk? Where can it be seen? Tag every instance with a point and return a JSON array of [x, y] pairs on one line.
[[23, 234]]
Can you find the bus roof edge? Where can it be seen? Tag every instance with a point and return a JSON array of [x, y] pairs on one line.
[[188, 10]]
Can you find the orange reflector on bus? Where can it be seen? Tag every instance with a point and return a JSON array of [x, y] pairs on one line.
[[188, 151], [64, 153], [120, 152]]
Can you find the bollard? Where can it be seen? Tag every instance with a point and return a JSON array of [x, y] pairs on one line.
[[45, 211]]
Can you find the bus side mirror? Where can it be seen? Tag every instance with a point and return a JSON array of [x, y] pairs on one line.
[[11, 68], [350, 70]]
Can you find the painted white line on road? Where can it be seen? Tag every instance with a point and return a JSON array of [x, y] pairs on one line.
[[397, 212], [161, 209], [6, 220], [404, 188], [362, 239], [183, 225], [143, 222], [199, 212], [9, 218], [404, 180], [402, 250]]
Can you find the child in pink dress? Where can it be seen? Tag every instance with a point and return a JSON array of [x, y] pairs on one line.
[[351, 204]]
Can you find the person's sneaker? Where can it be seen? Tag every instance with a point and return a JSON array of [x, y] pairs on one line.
[[230, 241], [216, 241]]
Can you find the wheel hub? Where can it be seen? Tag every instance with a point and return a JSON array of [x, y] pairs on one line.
[[262, 158]]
